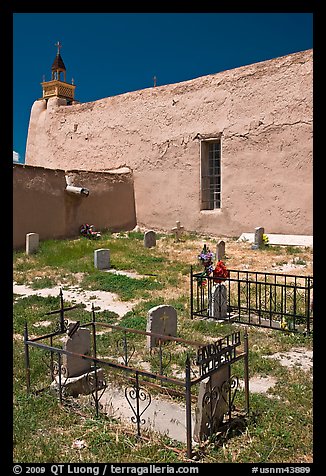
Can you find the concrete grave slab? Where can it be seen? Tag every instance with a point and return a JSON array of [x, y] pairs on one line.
[[278, 239]]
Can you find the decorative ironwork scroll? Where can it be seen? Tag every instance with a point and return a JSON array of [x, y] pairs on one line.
[[210, 401], [124, 350], [221, 396], [230, 388], [134, 395]]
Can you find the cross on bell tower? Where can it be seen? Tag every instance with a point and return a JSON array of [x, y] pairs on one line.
[[58, 65], [57, 86]]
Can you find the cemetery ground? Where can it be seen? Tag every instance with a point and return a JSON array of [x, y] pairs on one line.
[[279, 426]]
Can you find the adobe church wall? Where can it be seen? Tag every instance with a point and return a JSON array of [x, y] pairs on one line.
[[42, 205], [263, 113]]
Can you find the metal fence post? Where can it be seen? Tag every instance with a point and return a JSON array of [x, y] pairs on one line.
[[246, 371], [188, 408], [27, 364], [191, 294]]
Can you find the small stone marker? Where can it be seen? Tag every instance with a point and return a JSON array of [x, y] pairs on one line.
[[161, 320], [149, 239], [220, 250], [177, 230], [218, 307], [32, 242], [258, 242], [79, 343], [212, 404], [102, 258]]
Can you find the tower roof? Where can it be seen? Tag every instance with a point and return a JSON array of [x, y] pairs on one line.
[[58, 63]]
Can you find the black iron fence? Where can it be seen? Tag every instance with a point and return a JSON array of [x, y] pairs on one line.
[[125, 355], [274, 300]]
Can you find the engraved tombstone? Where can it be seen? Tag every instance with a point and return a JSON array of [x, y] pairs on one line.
[[79, 343], [102, 258], [149, 239], [32, 242], [161, 320]]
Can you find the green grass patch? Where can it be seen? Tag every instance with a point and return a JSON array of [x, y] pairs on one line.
[[127, 288]]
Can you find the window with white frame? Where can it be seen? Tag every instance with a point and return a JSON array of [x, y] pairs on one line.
[[210, 174]]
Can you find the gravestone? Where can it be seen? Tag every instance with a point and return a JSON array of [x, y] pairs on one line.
[[220, 250], [212, 404], [102, 258], [177, 230], [218, 305], [32, 242], [149, 239], [79, 343], [258, 240], [161, 320]]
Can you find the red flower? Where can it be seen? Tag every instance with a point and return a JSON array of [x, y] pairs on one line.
[[220, 273]]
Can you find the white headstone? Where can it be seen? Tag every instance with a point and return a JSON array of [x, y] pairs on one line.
[[161, 320], [149, 239], [32, 242], [102, 258]]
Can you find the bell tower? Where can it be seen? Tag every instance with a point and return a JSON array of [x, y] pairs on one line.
[[58, 87]]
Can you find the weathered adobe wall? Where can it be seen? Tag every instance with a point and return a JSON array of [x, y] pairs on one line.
[[41, 204], [263, 113]]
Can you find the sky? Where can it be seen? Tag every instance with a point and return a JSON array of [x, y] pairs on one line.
[[108, 54]]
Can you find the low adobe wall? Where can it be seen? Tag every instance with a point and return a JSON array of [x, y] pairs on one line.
[[42, 205]]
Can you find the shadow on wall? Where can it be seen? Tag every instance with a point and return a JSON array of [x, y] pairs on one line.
[[42, 204]]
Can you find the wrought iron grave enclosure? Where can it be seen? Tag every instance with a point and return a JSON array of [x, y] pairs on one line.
[[277, 301], [127, 354]]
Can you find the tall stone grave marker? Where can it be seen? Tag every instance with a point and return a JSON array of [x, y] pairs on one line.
[[161, 320], [102, 258], [79, 343], [258, 241], [32, 242], [149, 239], [218, 305], [212, 404], [220, 250]]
